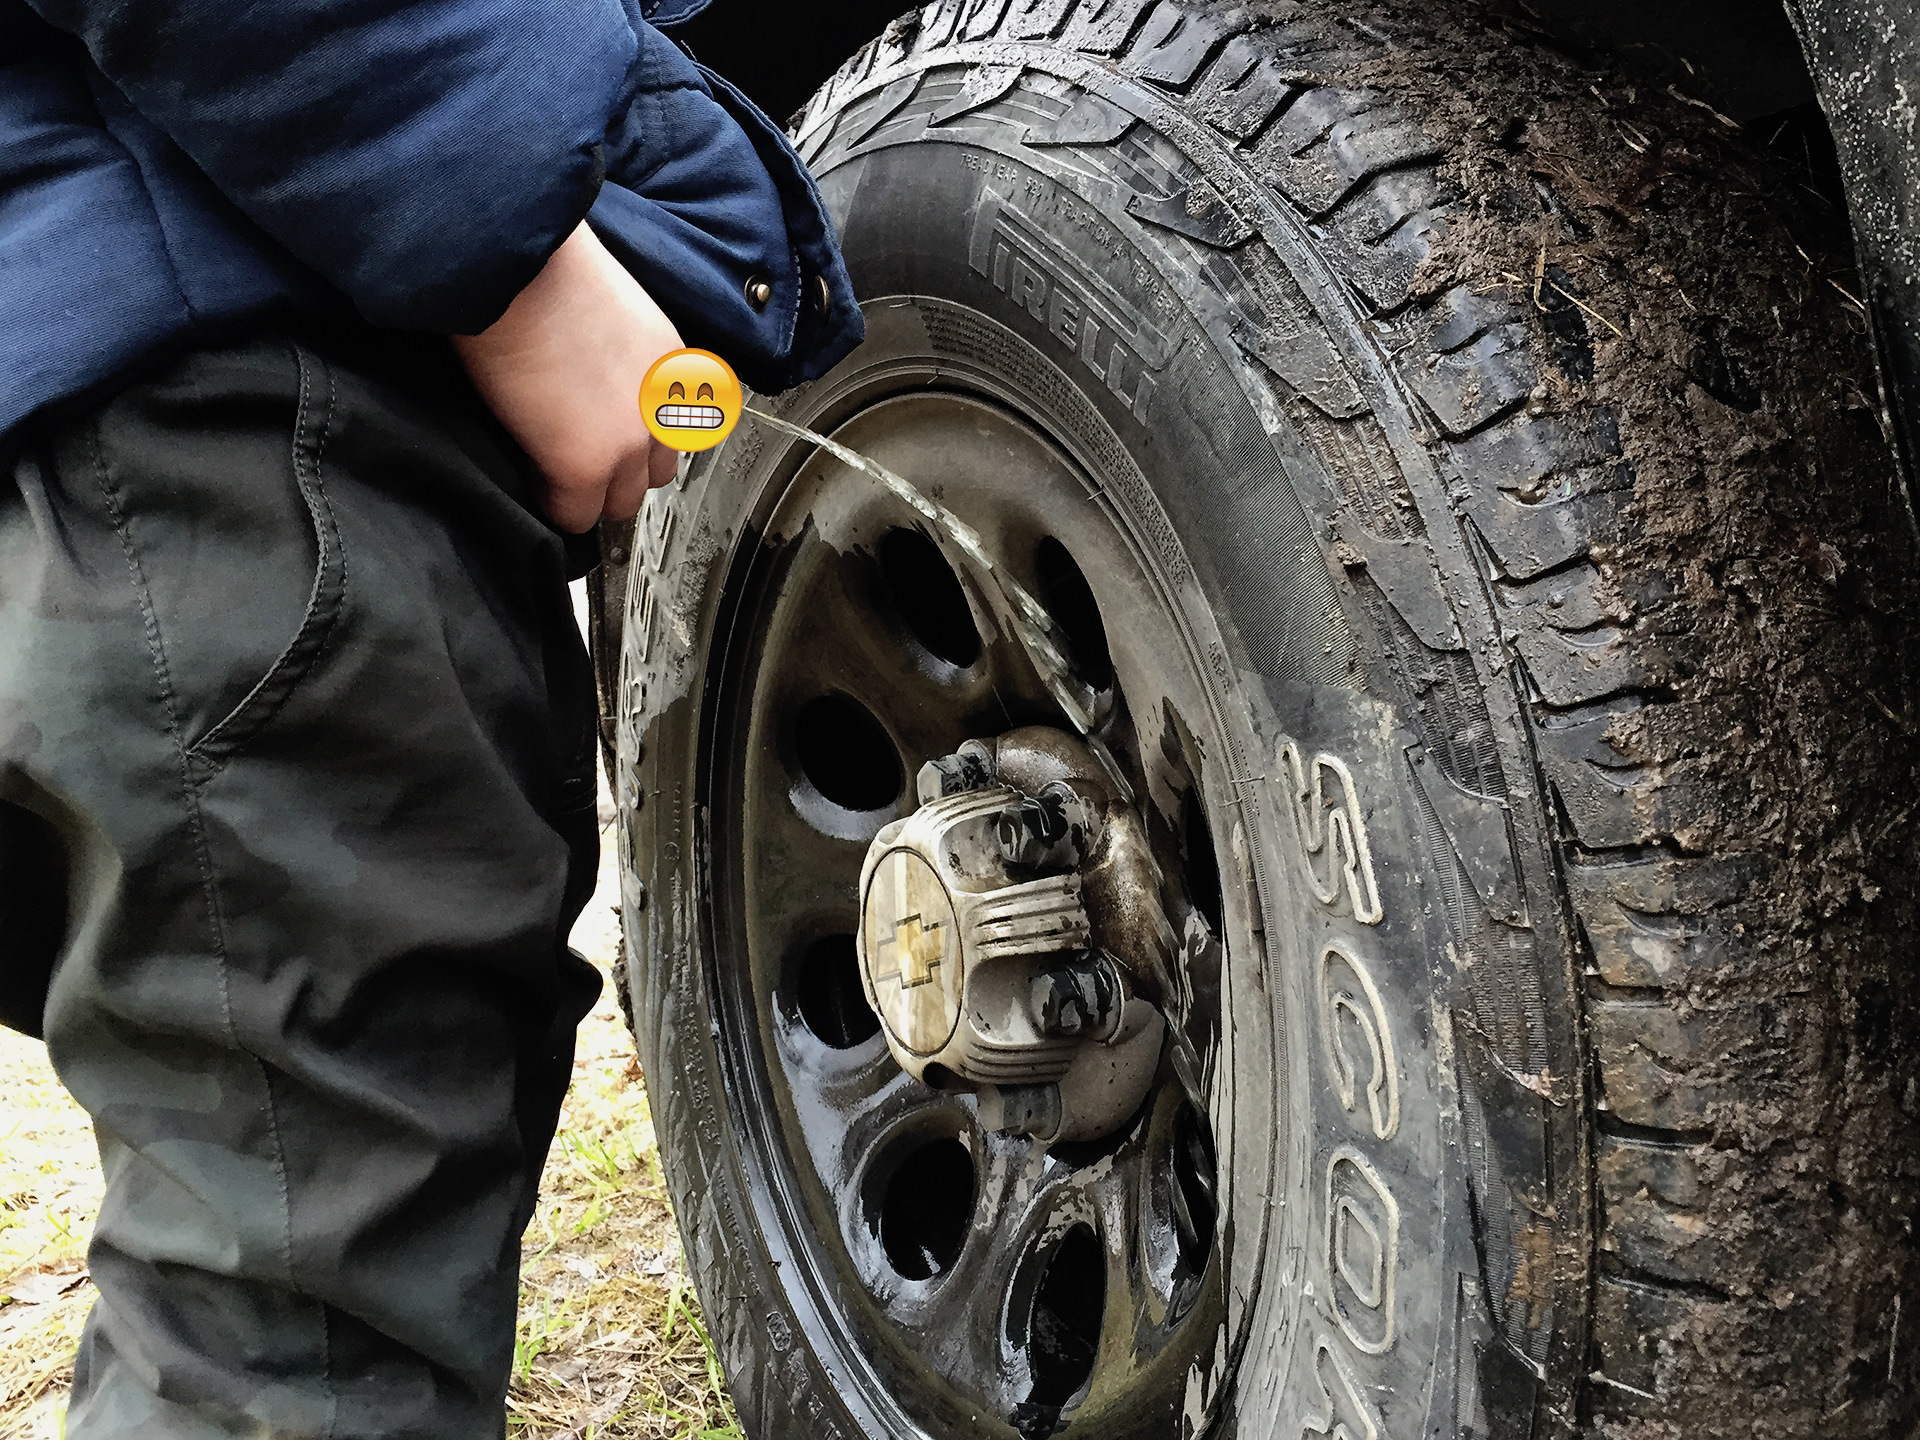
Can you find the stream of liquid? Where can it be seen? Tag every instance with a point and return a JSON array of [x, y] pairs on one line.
[[1036, 630]]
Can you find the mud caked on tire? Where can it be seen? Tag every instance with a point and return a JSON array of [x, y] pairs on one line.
[[1466, 501]]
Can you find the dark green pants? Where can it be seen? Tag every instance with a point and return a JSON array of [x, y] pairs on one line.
[[296, 775]]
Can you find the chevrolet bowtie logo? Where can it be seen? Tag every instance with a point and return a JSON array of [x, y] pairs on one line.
[[921, 950]]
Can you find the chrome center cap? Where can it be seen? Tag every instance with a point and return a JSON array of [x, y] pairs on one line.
[[912, 938], [977, 950]]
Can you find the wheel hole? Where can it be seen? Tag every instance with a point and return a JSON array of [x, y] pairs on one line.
[[1069, 600], [929, 597], [1064, 1336], [832, 1002], [846, 754], [1195, 1186], [927, 1208], [1201, 861]]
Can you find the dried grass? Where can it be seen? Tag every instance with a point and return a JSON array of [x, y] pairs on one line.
[[611, 1344], [49, 1194]]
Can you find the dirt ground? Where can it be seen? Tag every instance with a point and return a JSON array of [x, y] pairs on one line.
[[611, 1342]]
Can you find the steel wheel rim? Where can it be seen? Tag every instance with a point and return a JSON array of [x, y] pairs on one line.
[[848, 1130]]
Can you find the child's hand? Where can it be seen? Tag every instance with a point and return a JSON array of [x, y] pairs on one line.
[[562, 369]]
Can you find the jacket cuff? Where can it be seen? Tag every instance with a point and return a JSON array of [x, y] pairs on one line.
[[830, 323], [709, 208]]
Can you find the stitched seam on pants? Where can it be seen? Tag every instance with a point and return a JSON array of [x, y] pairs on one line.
[[203, 858], [325, 602], [156, 649]]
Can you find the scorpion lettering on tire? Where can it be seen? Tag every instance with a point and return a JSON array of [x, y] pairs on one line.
[[1360, 1219]]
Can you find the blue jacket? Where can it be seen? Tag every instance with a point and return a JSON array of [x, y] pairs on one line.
[[173, 169]]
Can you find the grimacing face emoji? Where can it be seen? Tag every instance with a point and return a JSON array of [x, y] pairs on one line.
[[690, 399]]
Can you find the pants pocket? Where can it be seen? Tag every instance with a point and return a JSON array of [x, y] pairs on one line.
[[312, 420], [210, 474]]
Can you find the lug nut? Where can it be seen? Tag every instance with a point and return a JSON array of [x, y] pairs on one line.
[[1027, 830], [1060, 825], [1082, 816], [1079, 1001], [969, 768]]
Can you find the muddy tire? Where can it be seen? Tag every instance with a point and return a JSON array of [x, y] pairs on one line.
[[1506, 605]]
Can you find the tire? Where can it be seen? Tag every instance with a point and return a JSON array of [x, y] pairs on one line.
[[1507, 597]]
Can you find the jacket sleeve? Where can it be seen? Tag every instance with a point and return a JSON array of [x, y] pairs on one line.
[[424, 156]]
